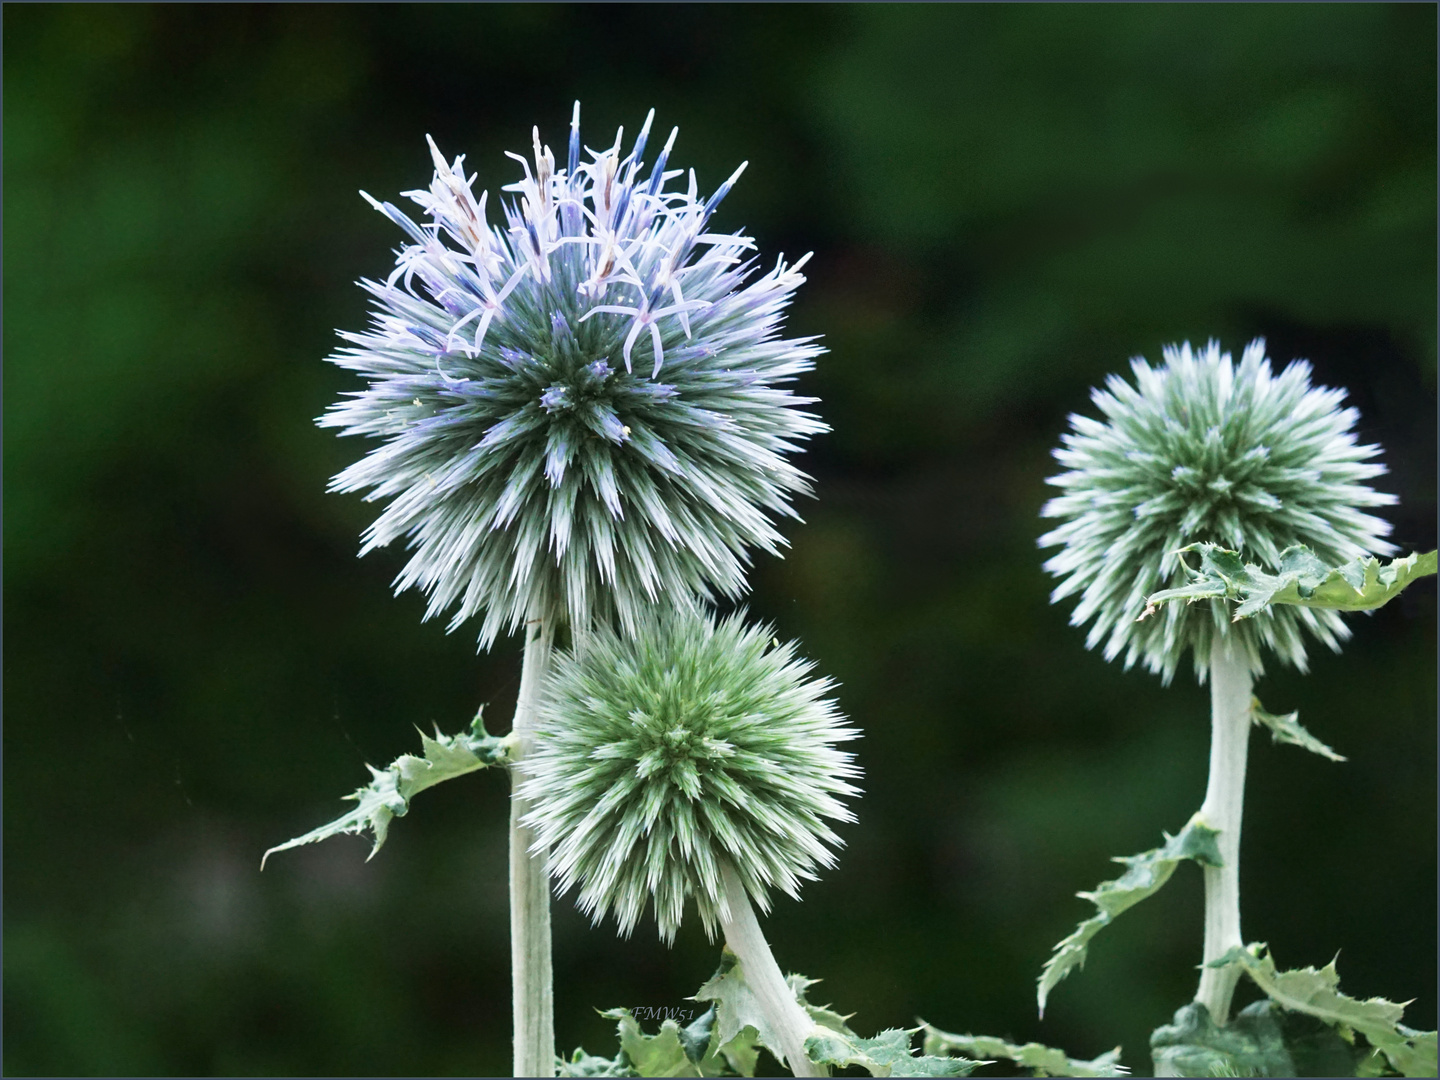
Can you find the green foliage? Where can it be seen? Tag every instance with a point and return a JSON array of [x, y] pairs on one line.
[[1301, 579], [887, 1054], [1317, 993], [1252, 1044], [1262, 1040], [694, 1050], [581, 1063], [390, 789], [1144, 875], [741, 1027], [1287, 729], [736, 1007], [1043, 1060]]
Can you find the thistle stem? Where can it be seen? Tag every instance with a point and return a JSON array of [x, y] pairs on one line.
[[531, 977], [777, 1001], [1230, 719]]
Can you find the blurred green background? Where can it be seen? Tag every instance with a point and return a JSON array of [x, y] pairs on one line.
[[1006, 203]]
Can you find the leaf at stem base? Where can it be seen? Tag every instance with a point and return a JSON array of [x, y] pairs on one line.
[[1144, 875], [390, 789]]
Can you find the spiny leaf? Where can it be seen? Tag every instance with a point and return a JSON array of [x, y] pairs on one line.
[[741, 1027], [1317, 993], [692, 1050], [696, 1037], [823, 1015], [1045, 1060], [582, 1064], [887, 1054], [390, 790], [1252, 1044], [1144, 875], [831, 1043], [1262, 1040], [736, 1006], [1287, 729], [739, 1055], [653, 1055], [1302, 579]]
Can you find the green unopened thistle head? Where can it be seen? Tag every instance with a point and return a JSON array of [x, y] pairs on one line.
[[584, 409], [1202, 449], [657, 757]]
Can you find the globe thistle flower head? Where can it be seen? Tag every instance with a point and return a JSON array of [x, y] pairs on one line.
[[583, 407], [659, 756], [1203, 449]]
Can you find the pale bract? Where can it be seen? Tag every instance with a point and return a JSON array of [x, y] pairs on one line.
[[1203, 449], [656, 757], [584, 408]]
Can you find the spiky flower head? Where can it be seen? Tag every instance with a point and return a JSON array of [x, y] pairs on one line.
[[658, 756], [583, 408], [1202, 449]]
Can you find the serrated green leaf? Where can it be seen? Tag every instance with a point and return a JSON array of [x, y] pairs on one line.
[[1301, 579], [1287, 729], [887, 1054], [390, 790], [739, 1054], [1144, 875], [582, 1064], [1317, 1049], [662, 1054], [674, 1051], [696, 1037], [741, 1028], [1317, 993], [1251, 1044], [736, 1006], [1044, 1060], [1262, 1040], [823, 1015]]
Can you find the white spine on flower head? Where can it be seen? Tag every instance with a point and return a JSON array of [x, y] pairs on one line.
[[660, 758], [1202, 449], [582, 411]]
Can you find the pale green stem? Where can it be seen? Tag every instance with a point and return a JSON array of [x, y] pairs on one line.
[[531, 978], [1230, 719], [792, 1025]]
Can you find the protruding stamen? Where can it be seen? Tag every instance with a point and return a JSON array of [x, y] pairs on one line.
[[657, 177], [640, 141], [722, 191], [573, 163]]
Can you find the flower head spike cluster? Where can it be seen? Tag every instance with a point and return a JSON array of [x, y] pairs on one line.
[[584, 408], [657, 757], [1204, 449]]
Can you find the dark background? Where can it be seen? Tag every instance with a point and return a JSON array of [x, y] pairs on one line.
[[1006, 203]]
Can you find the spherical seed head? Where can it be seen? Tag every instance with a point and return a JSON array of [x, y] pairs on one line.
[[657, 757], [582, 410], [1202, 449]]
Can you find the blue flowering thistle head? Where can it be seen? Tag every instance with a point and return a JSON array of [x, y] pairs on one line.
[[583, 408], [1202, 449], [656, 757]]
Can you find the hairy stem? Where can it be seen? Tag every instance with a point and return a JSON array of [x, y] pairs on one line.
[[742, 933], [530, 972], [1230, 719]]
